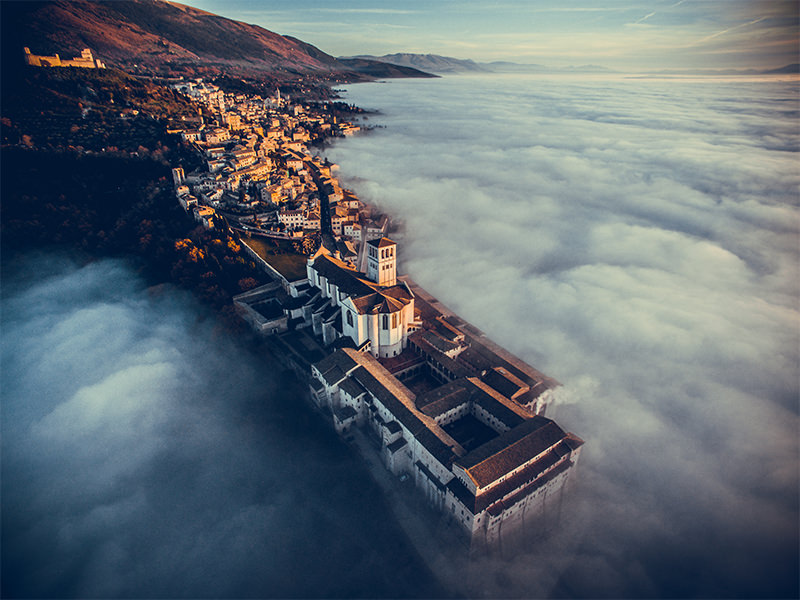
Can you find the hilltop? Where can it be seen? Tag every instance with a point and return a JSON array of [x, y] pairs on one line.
[[170, 38]]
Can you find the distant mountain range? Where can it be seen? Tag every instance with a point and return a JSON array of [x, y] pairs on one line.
[[442, 65], [430, 63], [506, 67], [168, 35], [793, 69]]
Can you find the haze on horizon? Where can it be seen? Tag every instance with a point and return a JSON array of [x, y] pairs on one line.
[[621, 35]]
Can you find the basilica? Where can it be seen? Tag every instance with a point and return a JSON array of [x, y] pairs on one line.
[[374, 311], [461, 417]]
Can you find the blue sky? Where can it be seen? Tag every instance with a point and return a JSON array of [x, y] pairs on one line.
[[623, 35]]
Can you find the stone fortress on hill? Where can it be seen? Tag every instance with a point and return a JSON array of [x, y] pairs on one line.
[[472, 437], [85, 61]]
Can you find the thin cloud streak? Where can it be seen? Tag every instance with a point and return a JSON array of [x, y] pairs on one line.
[[644, 18], [726, 31]]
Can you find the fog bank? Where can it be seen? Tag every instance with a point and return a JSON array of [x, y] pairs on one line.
[[146, 454], [637, 240]]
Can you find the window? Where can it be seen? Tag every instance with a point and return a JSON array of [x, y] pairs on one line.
[[386, 321], [349, 318], [394, 320]]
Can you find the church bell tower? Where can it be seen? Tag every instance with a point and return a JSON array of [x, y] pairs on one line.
[[382, 261]]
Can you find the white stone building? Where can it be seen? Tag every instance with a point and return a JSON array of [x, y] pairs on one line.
[[375, 312], [493, 490]]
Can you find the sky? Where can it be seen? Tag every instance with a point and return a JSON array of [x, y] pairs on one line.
[[637, 239], [622, 35]]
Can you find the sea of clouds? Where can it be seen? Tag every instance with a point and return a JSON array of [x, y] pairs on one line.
[[147, 454], [637, 239]]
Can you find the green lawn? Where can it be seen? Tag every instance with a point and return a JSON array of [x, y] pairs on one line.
[[283, 259]]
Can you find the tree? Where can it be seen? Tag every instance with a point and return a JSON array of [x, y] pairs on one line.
[[248, 283]]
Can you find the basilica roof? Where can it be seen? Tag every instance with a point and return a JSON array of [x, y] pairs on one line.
[[342, 275], [367, 297]]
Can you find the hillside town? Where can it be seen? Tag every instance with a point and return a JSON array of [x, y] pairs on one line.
[[260, 175], [393, 369]]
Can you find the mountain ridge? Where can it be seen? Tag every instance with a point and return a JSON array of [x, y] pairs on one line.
[[169, 36], [431, 63], [436, 63], [439, 64]]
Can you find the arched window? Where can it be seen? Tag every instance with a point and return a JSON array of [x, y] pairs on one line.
[[386, 321], [349, 318]]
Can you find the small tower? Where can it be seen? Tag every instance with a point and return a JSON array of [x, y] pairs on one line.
[[382, 261], [178, 176]]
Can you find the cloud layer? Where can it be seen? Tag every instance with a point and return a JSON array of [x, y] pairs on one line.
[[147, 455], [637, 240]]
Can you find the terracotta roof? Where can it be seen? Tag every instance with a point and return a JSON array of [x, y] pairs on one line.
[[351, 387], [438, 342], [401, 292], [444, 398], [382, 242], [396, 445], [393, 427], [333, 375], [345, 277], [508, 411], [434, 444], [343, 413], [378, 303], [509, 501], [515, 487], [368, 297], [364, 304], [456, 367], [337, 359], [505, 382], [389, 399], [399, 400], [389, 305], [510, 450]]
